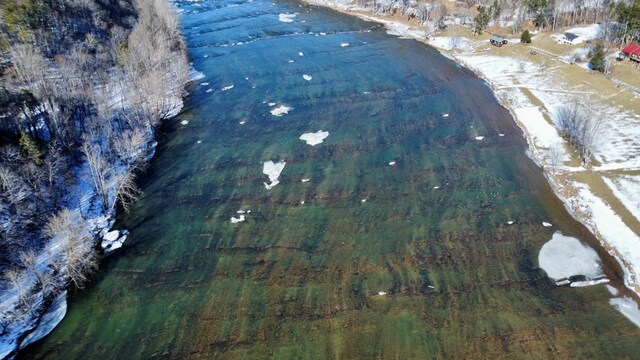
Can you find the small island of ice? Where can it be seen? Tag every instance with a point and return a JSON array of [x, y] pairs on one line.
[[286, 18], [272, 170], [280, 110], [564, 256], [307, 77], [314, 139]]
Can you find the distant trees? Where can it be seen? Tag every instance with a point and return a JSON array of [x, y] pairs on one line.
[[581, 128], [629, 17]]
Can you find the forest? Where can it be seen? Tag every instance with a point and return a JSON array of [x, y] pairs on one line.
[[84, 85]]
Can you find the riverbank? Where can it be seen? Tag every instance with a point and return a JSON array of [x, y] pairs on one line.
[[532, 85]]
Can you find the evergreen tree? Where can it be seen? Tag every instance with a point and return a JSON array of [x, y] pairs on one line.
[[481, 20], [598, 60], [525, 38], [31, 148]]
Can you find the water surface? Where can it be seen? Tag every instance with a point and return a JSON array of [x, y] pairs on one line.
[[302, 281]]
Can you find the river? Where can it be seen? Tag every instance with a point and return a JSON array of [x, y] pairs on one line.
[[416, 235]]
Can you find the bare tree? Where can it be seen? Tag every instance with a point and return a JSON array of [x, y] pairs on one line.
[[555, 156], [12, 186], [128, 191], [99, 170], [581, 128], [14, 276]]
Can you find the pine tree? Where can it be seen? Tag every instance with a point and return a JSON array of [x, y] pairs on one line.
[[598, 58], [525, 38]]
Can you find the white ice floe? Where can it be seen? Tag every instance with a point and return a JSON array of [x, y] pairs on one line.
[[229, 87], [305, 180], [363, 200], [315, 138], [242, 122], [241, 212], [391, 163], [436, 187], [280, 110], [307, 77], [382, 293], [184, 122], [235, 220], [479, 138], [546, 224], [628, 308], [445, 115], [204, 84], [271, 104], [613, 291], [299, 54], [199, 141], [209, 90], [290, 61], [111, 235], [286, 18], [501, 134], [273, 170], [302, 202], [565, 256], [344, 44], [510, 222]]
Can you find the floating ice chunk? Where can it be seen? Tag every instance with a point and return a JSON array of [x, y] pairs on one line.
[[510, 222], [501, 134], [271, 104], [363, 200], [382, 293], [246, 78], [546, 224], [391, 163], [300, 53], [286, 18], [209, 90], [305, 180], [315, 138], [436, 187], [431, 286], [184, 122], [323, 33], [307, 77], [206, 56], [242, 122], [241, 212], [479, 138], [344, 44], [589, 282], [628, 308], [273, 170], [199, 141], [564, 256], [227, 87], [445, 115], [291, 61], [204, 84], [111, 235], [235, 220], [302, 202], [612, 290], [280, 110]]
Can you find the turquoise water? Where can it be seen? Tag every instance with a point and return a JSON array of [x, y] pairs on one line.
[[301, 281]]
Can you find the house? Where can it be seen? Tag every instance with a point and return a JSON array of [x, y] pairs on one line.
[[632, 51], [569, 38], [497, 41]]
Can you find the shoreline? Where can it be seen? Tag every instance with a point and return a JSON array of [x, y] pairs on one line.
[[575, 208]]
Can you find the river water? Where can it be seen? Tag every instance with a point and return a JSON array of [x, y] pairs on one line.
[[426, 267]]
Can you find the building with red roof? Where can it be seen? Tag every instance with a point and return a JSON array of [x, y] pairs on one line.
[[632, 51]]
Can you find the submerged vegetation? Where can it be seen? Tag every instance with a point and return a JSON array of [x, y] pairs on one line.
[[83, 86]]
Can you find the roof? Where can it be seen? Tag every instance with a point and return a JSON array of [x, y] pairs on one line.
[[496, 38], [632, 49], [570, 36]]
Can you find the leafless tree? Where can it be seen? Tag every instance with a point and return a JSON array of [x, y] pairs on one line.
[[99, 169], [581, 128], [14, 276], [555, 156], [128, 191], [12, 186]]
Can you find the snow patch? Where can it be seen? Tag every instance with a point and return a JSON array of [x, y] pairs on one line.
[[627, 307]]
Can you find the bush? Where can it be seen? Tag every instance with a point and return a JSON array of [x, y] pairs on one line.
[[525, 38]]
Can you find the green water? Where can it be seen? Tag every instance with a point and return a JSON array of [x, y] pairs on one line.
[[300, 281]]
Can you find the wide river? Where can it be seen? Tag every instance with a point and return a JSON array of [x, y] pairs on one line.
[[366, 260]]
